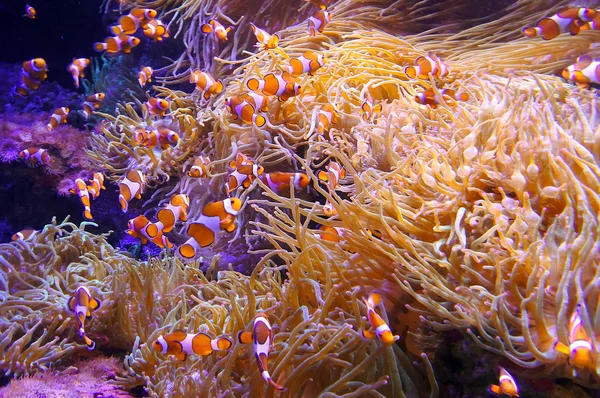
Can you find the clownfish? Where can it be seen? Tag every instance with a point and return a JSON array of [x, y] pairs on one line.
[[76, 69], [262, 337], [216, 217], [309, 62], [330, 234], [82, 304], [145, 75], [426, 64], [34, 155], [327, 116], [97, 184], [380, 328], [82, 191], [328, 209], [218, 29], [33, 73], [140, 227], [182, 344], [368, 111], [507, 384], [204, 81], [594, 24], [138, 17], [91, 103], [323, 4], [156, 30], [317, 22], [157, 106], [279, 181], [167, 137], [245, 171], [580, 349], [246, 106], [146, 138], [281, 85], [333, 175], [566, 20], [198, 170], [428, 97], [584, 72], [265, 40], [131, 186], [175, 210], [114, 44], [58, 117], [24, 234], [30, 12]]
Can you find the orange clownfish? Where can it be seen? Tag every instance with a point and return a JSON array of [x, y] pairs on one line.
[[82, 304], [175, 210], [323, 4], [265, 40], [97, 184], [368, 111], [141, 228], [157, 106], [76, 69], [182, 344], [131, 186], [128, 24], [167, 137], [566, 20], [146, 138], [114, 44], [380, 328], [204, 81], [218, 29], [328, 209], [426, 64], [245, 171], [580, 350], [216, 216], [145, 75], [58, 117], [33, 73], [584, 72], [281, 85], [92, 103], [330, 234], [34, 155], [317, 22], [24, 234], [428, 97], [309, 62], [507, 384], [327, 116], [592, 25], [246, 106], [84, 196], [156, 30], [262, 337], [198, 170], [335, 172], [30, 12], [279, 181]]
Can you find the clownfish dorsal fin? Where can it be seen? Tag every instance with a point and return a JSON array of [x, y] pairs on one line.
[[178, 335], [95, 304]]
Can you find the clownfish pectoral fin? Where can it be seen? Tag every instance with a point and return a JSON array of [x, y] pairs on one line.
[[495, 389], [89, 343], [245, 337], [323, 176], [562, 348], [368, 334], [206, 28], [95, 304]]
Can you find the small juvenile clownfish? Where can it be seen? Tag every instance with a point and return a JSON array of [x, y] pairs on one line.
[[145, 75], [128, 24], [262, 337], [426, 64], [335, 172], [218, 29], [309, 62], [82, 304], [24, 234], [368, 111], [167, 137], [33, 73], [58, 117], [265, 40], [204, 81], [327, 116], [76, 69], [323, 4], [145, 138], [328, 209], [245, 171], [30, 12], [97, 184], [580, 350], [566, 20], [216, 217], [584, 72], [507, 384], [279, 181], [175, 210], [198, 170], [317, 22], [157, 106], [246, 106], [114, 44], [428, 97], [330, 234], [34, 155], [131, 186], [281, 85], [380, 328], [92, 102], [156, 30], [182, 344], [81, 190], [141, 228]]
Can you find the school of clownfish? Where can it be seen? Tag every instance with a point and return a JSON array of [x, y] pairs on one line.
[[249, 108]]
